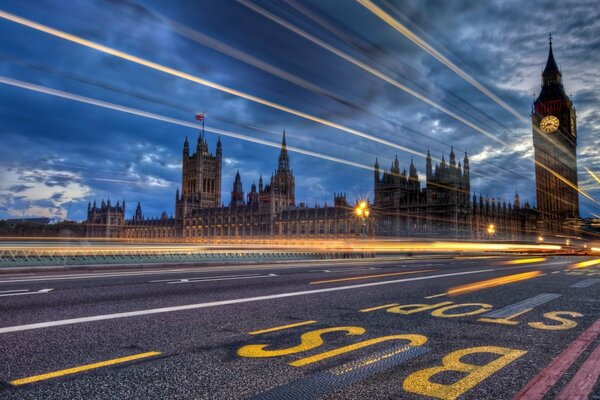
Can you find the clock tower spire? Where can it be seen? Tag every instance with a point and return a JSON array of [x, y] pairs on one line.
[[555, 143]]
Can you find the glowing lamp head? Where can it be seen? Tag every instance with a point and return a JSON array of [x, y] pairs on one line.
[[359, 211], [540, 238], [491, 229]]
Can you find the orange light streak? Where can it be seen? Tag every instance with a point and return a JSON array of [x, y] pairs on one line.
[[525, 261], [585, 264], [472, 287]]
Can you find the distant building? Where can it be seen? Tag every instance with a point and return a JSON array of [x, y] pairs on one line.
[[269, 210], [444, 208], [33, 220]]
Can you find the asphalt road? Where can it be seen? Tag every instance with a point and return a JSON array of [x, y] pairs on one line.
[[359, 330]]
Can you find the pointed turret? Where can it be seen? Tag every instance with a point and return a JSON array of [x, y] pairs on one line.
[[452, 157], [429, 167], [551, 74], [284, 161], [237, 194], [186, 148]]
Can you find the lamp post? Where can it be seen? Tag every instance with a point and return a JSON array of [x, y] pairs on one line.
[[362, 211]]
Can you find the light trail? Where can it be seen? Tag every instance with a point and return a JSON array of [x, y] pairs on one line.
[[437, 55], [386, 78], [440, 57], [192, 78], [158, 117], [216, 86], [490, 283], [596, 178], [585, 264], [368, 68], [525, 261]]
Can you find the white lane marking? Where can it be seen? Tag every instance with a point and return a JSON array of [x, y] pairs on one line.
[[41, 291], [343, 269], [205, 277], [191, 280], [84, 276], [17, 290], [223, 302]]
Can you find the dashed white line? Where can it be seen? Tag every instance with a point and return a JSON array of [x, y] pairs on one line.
[[21, 293]]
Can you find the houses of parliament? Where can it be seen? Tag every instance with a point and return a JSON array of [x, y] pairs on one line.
[[444, 208]]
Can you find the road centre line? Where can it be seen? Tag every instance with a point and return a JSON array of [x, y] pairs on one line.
[[355, 278], [206, 277], [13, 291], [104, 317], [71, 371], [221, 279], [343, 270], [537, 387], [41, 291]]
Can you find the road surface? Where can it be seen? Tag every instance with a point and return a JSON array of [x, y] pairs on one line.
[[422, 329]]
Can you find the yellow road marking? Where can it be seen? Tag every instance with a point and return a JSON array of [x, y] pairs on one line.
[[378, 307], [71, 371], [279, 328], [355, 278], [415, 340]]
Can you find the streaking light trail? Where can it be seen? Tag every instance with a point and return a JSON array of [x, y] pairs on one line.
[[196, 79], [393, 82], [504, 280], [439, 56], [158, 117], [369, 69]]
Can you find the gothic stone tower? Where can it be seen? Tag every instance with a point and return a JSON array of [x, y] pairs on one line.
[[555, 142], [201, 178]]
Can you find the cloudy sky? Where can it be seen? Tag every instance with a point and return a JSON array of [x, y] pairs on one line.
[[320, 59]]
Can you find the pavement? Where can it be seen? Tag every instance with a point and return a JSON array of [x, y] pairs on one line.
[[464, 327]]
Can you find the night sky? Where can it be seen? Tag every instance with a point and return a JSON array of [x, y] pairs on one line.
[[57, 154]]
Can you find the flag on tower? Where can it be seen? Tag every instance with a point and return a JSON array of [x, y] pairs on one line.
[[200, 117]]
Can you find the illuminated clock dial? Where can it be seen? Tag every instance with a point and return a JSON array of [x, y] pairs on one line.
[[549, 124]]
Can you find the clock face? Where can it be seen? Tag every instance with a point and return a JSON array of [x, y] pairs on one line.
[[549, 124]]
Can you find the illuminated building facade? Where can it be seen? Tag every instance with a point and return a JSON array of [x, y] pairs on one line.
[[444, 208], [554, 128], [268, 211]]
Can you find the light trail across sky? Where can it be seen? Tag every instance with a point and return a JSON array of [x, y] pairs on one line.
[[439, 56], [201, 81], [397, 84], [369, 69], [196, 79], [163, 118]]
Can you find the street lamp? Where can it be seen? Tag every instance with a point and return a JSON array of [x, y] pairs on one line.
[[362, 211], [540, 238], [491, 229]]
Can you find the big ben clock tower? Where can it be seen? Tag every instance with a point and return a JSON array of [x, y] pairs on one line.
[[555, 142]]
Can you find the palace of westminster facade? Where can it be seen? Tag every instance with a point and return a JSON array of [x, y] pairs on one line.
[[444, 208]]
